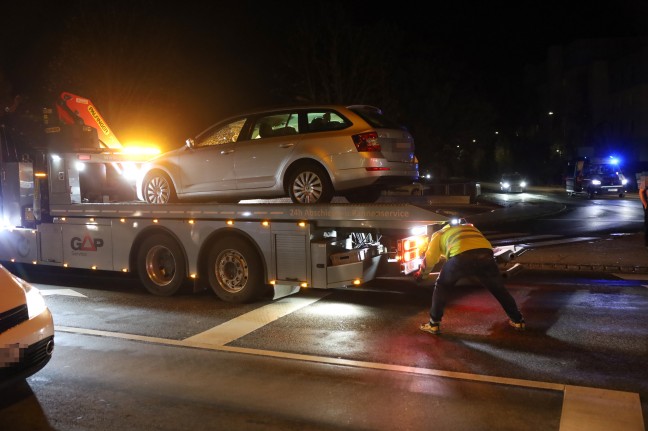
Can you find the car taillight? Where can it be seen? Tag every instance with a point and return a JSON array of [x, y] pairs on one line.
[[366, 142], [410, 252]]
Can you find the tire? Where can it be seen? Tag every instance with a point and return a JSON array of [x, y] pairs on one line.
[[158, 188], [235, 271], [310, 184], [366, 196], [161, 265]]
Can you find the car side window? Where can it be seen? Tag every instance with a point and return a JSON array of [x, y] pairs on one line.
[[319, 121], [221, 135], [270, 126]]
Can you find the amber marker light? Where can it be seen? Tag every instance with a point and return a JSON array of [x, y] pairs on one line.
[[155, 220], [123, 220], [356, 282], [40, 175], [273, 282], [191, 221], [265, 223], [65, 265], [303, 284], [301, 224], [230, 222], [124, 269], [93, 267], [193, 276]]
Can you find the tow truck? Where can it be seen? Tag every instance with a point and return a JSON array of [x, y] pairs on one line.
[[54, 215]]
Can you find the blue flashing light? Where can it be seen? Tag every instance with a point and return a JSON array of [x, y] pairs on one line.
[[614, 160]]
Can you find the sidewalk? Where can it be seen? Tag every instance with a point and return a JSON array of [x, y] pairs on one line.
[[617, 254]]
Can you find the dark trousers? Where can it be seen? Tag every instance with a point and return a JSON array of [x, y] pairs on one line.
[[478, 263]]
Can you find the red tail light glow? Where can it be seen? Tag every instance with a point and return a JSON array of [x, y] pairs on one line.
[[366, 142]]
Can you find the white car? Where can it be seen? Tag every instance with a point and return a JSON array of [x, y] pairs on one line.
[[309, 153], [513, 183], [26, 329]]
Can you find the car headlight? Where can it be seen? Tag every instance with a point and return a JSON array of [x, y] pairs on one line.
[[523, 184], [596, 182], [624, 181], [35, 302]]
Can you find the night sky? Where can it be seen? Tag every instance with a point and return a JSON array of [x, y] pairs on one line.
[[214, 60]]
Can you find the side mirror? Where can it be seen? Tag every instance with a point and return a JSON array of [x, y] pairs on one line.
[[189, 143]]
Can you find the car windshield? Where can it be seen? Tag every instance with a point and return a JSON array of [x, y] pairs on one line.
[[512, 177], [375, 117]]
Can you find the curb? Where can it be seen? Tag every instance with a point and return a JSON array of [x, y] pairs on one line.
[[616, 269]]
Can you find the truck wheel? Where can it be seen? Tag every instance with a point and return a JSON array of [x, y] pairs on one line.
[[161, 265], [158, 188], [235, 271], [310, 184]]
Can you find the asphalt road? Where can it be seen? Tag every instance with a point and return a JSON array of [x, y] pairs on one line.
[[339, 359]]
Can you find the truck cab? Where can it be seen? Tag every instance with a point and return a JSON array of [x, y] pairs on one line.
[[596, 177]]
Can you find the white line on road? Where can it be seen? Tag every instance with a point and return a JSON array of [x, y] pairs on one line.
[[64, 292], [248, 322]]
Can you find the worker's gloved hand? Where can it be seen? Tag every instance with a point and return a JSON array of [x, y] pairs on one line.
[[420, 274]]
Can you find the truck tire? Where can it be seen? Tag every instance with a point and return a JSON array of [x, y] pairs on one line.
[[157, 188], [161, 265], [310, 184], [235, 271]]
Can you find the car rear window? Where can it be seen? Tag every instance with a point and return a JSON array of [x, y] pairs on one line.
[[375, 117]]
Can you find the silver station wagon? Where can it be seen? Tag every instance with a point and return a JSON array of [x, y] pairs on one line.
[[309, 153]]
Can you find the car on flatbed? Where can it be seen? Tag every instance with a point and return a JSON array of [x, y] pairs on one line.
[[308, 153]]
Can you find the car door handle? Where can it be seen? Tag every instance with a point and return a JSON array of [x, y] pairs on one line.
[[227, 151], [286, 145]]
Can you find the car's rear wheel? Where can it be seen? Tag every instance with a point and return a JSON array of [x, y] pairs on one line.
[[310, 184], [158, 188]]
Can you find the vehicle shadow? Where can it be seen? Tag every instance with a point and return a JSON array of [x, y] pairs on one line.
[[20, 409]]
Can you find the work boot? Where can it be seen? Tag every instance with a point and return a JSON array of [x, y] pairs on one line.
[[433, 328], [518, 326]]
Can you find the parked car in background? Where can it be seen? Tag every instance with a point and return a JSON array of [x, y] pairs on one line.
[[309, 153], [413, 189], [26, 329], [513, 183]]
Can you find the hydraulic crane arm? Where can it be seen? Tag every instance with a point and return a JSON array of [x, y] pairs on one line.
[[73, 109]]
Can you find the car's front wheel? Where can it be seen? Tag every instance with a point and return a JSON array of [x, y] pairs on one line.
[[158, 188], [310, 184]]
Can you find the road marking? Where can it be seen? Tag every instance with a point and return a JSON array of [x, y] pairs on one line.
[[595, 409], [583, 408], [248, 322], [64, 292]]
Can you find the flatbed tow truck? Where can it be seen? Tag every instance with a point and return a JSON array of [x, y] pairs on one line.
[[240, 251]]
